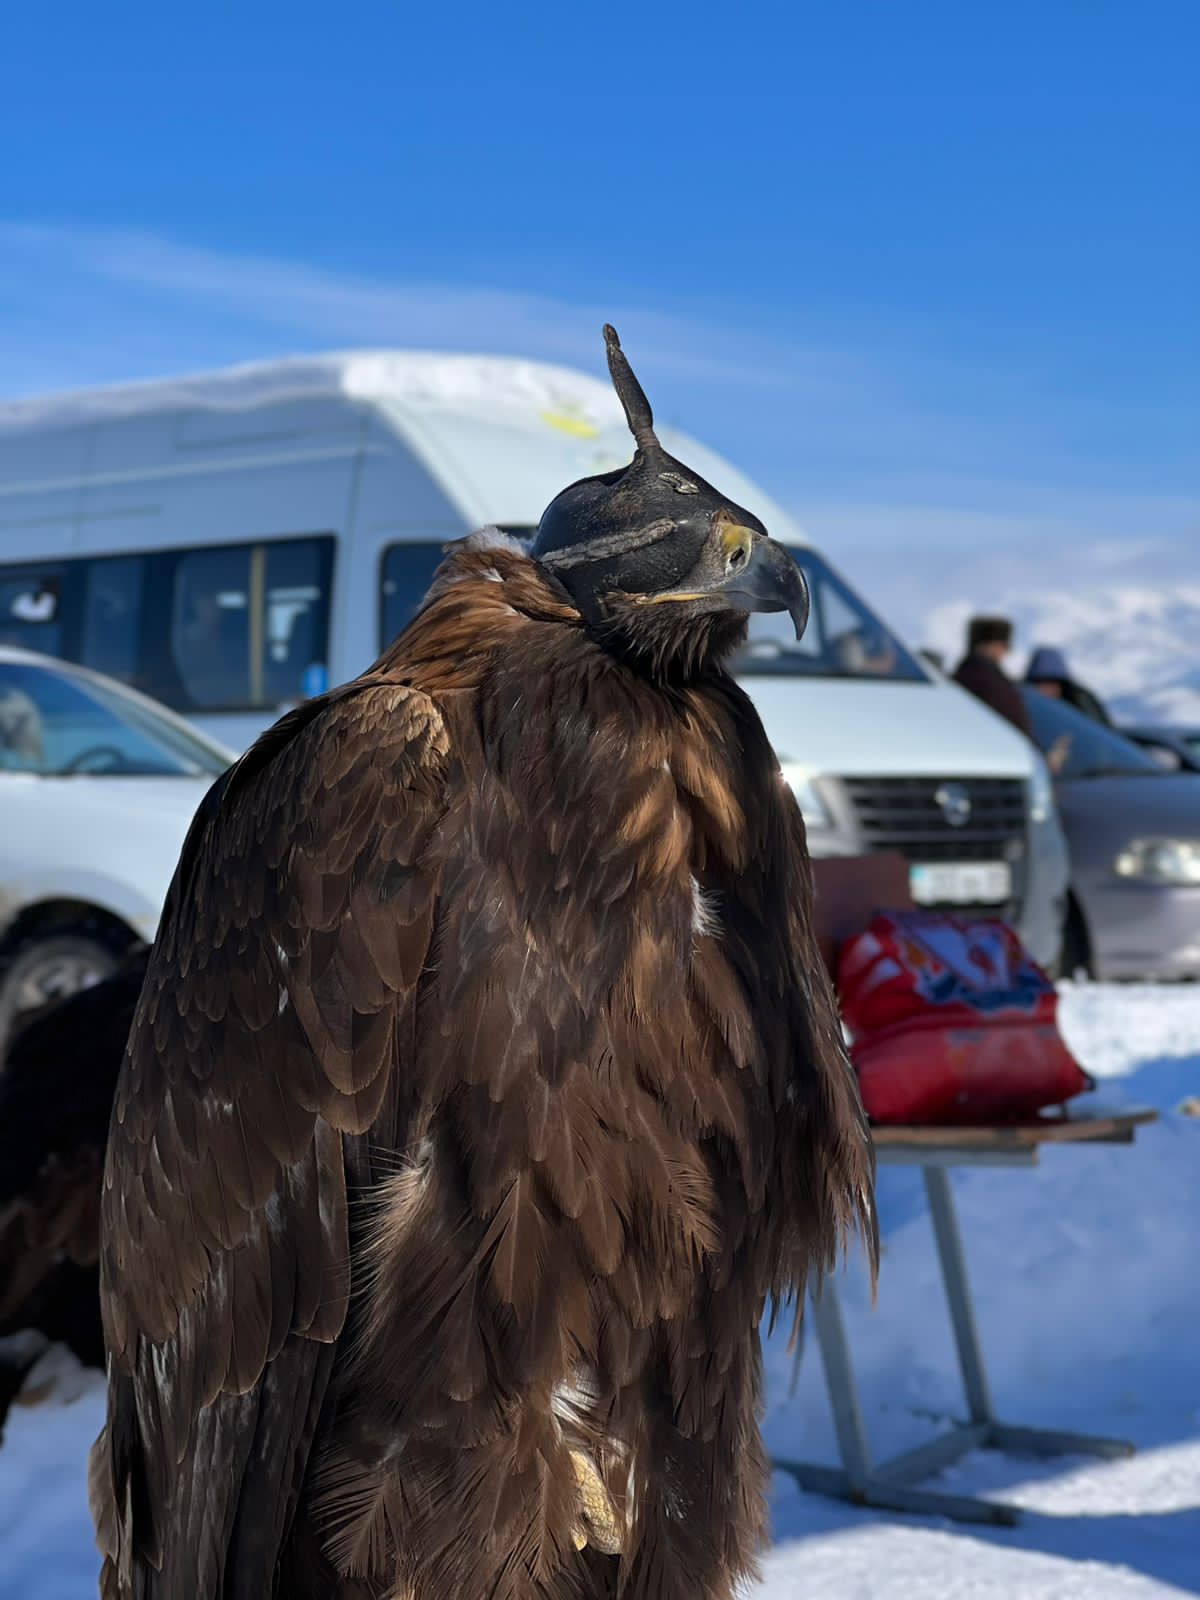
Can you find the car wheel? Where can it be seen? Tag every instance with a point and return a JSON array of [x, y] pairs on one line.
[[1076, 961], [50, 968]]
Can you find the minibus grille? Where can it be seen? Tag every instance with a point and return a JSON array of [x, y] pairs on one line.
[[923, 819]]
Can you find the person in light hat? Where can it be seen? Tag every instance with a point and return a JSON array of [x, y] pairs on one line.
[[1049, 675]]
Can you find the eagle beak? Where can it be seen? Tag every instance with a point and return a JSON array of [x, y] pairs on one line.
[[759, 576], [762, 576]]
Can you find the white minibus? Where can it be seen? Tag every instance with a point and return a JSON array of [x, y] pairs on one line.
[[230, 543]]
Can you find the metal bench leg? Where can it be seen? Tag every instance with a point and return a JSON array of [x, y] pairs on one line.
[[958, 1293], [839, 1381], [996, 1435], [892, 1485], [890, 1488]]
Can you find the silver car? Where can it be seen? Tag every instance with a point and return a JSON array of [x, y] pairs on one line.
[[97, 788], [1133, 832]]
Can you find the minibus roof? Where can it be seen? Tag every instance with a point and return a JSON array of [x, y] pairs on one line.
[[501, 435]]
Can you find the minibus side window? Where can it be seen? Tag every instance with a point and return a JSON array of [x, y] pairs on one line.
[[242, 627], [250, 623], [295, 628], [32, 609], [112, 616], [405, 573], [211, 624]]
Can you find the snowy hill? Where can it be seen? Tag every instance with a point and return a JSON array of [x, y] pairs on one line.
[[1137, 647]]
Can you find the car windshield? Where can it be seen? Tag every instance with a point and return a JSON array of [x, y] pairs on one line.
[[58, 724], [843, 638], [1090, 750]]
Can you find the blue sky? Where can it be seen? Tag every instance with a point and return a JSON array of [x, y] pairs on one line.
[[929, 269]]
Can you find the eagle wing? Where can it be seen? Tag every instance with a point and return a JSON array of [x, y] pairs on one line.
[[275, 1006]]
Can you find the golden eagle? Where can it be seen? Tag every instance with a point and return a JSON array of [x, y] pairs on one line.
[[485, 1084]]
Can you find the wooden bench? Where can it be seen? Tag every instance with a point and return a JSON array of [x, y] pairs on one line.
[[849, 891]]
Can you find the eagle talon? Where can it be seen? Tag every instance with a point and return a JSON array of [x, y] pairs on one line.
[[597, 1524]]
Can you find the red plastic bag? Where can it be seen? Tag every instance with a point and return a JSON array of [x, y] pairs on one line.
[[952, 1022]]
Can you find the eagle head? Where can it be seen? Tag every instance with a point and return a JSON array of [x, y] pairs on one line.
[[660, 564]]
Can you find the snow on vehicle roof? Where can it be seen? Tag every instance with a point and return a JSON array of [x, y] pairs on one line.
[[478, 384], [445, 405]]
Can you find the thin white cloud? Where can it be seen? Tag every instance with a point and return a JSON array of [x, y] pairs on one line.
[[350, 309], [928, 565]]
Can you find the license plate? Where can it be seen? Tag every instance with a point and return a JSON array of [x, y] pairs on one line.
[[965, 883]]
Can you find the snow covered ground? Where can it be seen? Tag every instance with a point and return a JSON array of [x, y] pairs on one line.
[[1087, 1286]]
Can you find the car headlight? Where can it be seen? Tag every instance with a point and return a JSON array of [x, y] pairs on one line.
[[1041, 792], [1160, 861], [813, 809]]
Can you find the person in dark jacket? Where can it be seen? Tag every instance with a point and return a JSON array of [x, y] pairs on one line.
[[1049, 675], [981, 670]]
